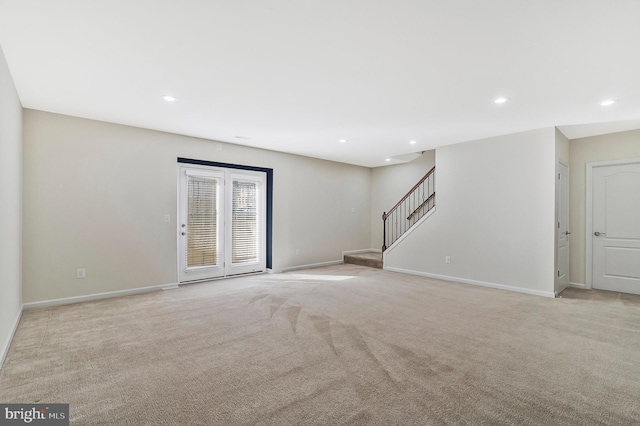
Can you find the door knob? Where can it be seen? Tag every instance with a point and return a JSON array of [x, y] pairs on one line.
[[597, 234]]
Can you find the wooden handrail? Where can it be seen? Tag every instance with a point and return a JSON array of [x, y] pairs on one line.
[[425, 202], [397, 225], [429, 173]]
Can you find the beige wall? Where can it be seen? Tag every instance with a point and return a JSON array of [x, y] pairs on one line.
[[613, 146], [11, 201], [494, 215], [389, 184], [95, 196], [562, 148]]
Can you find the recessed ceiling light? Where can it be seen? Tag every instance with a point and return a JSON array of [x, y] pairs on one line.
[[343, 141], [169, 98], [387, 159], [412, 142], [242, 137], [608, 102], [501, 100]]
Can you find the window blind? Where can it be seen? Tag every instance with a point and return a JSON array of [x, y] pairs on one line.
[[244, 222], [202, 221]]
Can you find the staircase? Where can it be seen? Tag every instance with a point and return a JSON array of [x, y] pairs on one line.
[[411, 208], [370, 259], [419, 201]]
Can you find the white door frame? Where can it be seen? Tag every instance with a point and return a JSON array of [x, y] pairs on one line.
[[216, 271], [589, 213], [254, 266], [559, 164], [226, 174]]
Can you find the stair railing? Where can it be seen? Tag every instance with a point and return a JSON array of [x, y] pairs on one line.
[[413, 206]]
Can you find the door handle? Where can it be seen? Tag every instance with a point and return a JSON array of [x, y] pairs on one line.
[[567, 233], [597, 234]]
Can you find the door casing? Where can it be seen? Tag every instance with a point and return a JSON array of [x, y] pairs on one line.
[[226, 267], [562, 227]]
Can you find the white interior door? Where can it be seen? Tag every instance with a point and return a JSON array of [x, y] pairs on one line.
[[616, 228], [562, 219], [222, 222]]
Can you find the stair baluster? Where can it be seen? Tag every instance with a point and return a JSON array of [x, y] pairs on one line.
[[413, 206]]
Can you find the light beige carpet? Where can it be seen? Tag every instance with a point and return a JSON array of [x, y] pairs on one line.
[[329, 346]]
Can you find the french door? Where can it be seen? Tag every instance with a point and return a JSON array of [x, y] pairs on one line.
[[222, 222]]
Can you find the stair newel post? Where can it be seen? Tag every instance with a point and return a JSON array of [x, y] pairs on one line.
[[384, 231]]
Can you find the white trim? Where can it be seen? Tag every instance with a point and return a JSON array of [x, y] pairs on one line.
[[407, 232], [312, 265], [557, 292], [225, 267], [178, 219], [97, 296], [225, 277], [588, 221], [369, 250], [578, 285], [614, 162], [559, 163], [589, 212], [473, 282], [258, 178], [7, 344], [171, 287]]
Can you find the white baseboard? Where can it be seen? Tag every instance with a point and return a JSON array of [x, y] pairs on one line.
[[473, 282], [5, 346], [97, 296], [369, 250], [578, 285], [317, 265], [312, 265], [171, 287]]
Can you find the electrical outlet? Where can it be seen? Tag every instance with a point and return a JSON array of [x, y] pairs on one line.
[[447, 259], [297, 251], [167, 218], [81, 273]]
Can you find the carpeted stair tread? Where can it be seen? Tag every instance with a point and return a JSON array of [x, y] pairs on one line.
[[370, 259]]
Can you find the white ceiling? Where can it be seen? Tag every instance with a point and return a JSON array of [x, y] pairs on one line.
[[299, 75]]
